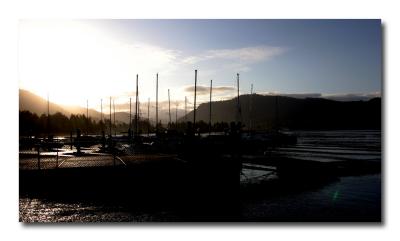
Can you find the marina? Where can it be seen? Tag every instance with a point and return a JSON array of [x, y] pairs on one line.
[[279, 127], [260, 179]]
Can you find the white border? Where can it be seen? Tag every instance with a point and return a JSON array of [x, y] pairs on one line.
[[11, 11]]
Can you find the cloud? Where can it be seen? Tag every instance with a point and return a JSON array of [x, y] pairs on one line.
[[202, 90], [352, 96], [151, 58], [335, 96], [247, 54], [71, 58], [294, 95]]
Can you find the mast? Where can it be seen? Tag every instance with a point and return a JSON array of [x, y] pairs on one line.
[[276, 113], [251, 107], [48, 116], [194, 105], [148, 117], [101, 113], [137, 106], [209, 121], [169, 109], [87, 117], [139, 114], [157, 103], [185, 108], [176, 114], [238, 101], [115, 126], [110, 118], [48, 105], [130, 115]]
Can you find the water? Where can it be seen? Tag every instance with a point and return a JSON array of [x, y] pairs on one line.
[[336, 145], [348, 198], [48, 211]]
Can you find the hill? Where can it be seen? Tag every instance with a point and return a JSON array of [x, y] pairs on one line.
[[294, 113], [36, 104]]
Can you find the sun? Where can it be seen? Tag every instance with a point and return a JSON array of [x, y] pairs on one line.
[[73, 61]]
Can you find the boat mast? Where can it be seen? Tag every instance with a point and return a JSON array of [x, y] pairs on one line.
[[169, 109], [209, 121], [110, 118], [238, 101], [130, 116], [276, 113], [185, 108], [194, 105], [157, 104], [139, 114], [87, 117], [251, 107], [148, 117], [137, 106], [176, 114], [48, 116], [115, 126]]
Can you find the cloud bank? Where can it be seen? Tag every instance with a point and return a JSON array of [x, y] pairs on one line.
[[247, 54], [335, 96], [203, 90]]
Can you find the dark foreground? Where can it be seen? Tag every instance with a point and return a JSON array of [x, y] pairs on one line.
[[350, 199], [344, 186]]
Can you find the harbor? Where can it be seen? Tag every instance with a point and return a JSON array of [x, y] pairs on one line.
[[169, 186], [143, 124]]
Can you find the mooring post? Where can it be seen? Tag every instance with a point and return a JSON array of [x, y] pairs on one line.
[[57, 157], [113, 146], [78, 141], [70, 139], [103, 140], [38, 151]]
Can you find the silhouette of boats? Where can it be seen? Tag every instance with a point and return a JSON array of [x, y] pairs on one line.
[[200, 170]]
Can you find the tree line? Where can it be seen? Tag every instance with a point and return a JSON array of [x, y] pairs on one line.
[[58, 123], [30, 124]]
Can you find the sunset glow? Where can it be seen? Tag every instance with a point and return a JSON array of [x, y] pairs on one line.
[[74, 61]]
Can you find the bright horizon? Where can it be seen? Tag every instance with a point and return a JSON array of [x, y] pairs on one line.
[[74, 61]]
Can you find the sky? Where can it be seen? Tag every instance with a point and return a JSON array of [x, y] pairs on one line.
[[77, 60]]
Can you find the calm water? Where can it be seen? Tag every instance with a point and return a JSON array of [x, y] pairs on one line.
[[351, 198], [348, 199]]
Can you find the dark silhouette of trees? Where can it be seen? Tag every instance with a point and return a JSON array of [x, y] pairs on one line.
[[30, 124], [309, 113]]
